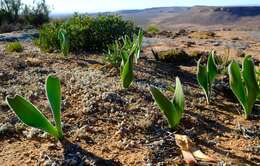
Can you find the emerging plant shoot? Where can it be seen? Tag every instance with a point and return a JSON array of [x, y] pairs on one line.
[[130, 52], [64, 42], [173, 109], [31, 116], [206, 75], [244, 84]]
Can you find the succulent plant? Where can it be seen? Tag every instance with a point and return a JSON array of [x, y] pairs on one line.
[[64, 42], [173, 109], [31, 116], [244, 84], [206, 75]]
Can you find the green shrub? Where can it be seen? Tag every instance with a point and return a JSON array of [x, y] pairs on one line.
[[14, 47], [171, 56], [48, 40], [14, 15], [36, 15], [152, 29], [87, 33]]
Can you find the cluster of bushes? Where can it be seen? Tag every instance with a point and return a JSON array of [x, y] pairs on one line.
[[15, 15], [86, 33]]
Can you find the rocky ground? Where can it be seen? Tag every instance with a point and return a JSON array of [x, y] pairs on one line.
[[106, 125]]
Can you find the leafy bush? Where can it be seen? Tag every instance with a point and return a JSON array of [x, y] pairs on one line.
[[152, 29], [48, 40], [244, 84], [87, 33], [14, 47], [206, 75], [5, 16], [37, 15], [173, 109], [171, 56], [31, 116], [14, 15]]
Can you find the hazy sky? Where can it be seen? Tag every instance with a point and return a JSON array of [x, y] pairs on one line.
[[65, 6]]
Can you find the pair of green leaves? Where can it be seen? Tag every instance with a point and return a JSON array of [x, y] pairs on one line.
[[127, 68], [244, 84], [64, 42], [173, 109], [130, 53], [31, 116], [206, 75]]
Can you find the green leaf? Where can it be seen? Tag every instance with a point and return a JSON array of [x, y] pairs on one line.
[[127, 73], [236, 84], [250, 82], [30, 115], [64, 42], [178, 99], [212, 71], [53, 91], [172, 110], [202, 77], [139, 40], [166, 107]]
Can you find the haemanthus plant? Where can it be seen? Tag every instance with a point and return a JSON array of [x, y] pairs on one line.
[[244, 84], [127, 69], [173, 109], [64, 42], [31, 116], [130, 53], [206, 75]]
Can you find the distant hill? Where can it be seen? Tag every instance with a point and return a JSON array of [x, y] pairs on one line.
[[197, 16], [170, 17]]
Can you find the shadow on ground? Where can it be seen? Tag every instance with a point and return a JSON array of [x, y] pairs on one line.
[[75, 152]]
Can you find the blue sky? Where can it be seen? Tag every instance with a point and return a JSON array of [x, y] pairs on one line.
[[70, 6]]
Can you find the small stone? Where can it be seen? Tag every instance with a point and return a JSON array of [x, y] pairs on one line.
[[112, 97], [47, 163]]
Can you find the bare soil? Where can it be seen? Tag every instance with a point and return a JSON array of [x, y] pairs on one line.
[[106, 125]]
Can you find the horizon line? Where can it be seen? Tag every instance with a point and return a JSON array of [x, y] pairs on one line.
[[119, 10]]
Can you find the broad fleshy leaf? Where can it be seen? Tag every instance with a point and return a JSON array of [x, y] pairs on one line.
[[139, 40], [250, 82], [236, 83], [127, 73], [212, 71], [64, 42], [53, 91], [172, 110], [30, 115], [178, 99], [166, 107]]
